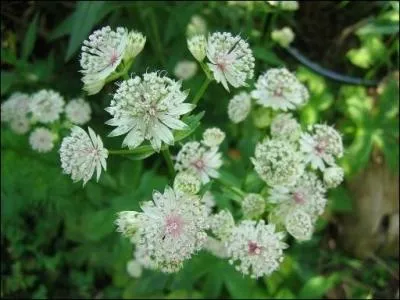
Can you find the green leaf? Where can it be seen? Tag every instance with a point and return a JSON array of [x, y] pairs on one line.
[[30, 38], [358, 154], [193, 121], [268, 56], [96, 225], [316, 287], [85, 17], [7, 79], [340, 200], [64, 28]]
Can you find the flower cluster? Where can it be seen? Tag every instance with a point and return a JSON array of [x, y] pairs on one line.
[[283, 36], [231, 59], [22, 112], [185, 69], [104, 51], [202, 158], [170, 229], [148, 108], [239, 107]]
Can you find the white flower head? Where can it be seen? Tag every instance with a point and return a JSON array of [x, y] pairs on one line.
[[285, 5], [299, 224], [20, 125], [221, 224], [255, 248], [187, 182], [46, 106], [321, 146], [213, 137], [127, 223], [81, 154], [200, 160], [279, 89], [215, 247], [102, 53], [333, 176], [277, 162], [134, 268], [284, 37], [197, 46], [197, 26], [239, 107], [209, 201], [135, 45], [41, 140], [231, 59], [285, 127], [308, 194], [15, 107], [78, 111], [253, 206], [172, 228], [185, 69], [148, 109]]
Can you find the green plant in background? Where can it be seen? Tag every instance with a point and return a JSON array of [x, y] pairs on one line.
[[51, 227]]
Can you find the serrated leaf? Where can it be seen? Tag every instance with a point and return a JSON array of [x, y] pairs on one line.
[[30, 38]]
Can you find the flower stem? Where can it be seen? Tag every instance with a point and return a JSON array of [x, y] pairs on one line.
[[201, 91], [168, 160], [121, 151]]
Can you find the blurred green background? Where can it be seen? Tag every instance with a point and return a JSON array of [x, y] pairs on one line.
[[59, 240]]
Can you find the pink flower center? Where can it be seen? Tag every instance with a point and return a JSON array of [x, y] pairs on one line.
[[320, 147], [253, 248], [278, 92], [199, 164], [113, 58], [298, 198], [174, 225]]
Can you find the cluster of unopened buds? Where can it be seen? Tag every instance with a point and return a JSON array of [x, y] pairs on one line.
[[296, 164]]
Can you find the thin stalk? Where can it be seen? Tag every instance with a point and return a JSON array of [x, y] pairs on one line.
[[121, 151], [201, 91], [168, 160]]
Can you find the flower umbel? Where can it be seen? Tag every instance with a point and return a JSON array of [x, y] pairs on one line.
[[285, 127], [239, 107], [41, 140], [81, 154], [213, 137], [283, 36], [185, 69], [148, 109], [231, 59], [46, 106], [200, 160], [255, 248], [280, 89], [78, 111]]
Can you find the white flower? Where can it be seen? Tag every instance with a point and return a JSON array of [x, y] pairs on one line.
[[20, 125], [285, 127], [46, 106], [308, 193], [41, 140], [135, 45], [172, 228], [221, 224], [143, 257], [285, 5], [255, 248], [185, 69], [277, 162], [81, 154], [78, 111], [333, 176], [102, 52], [197, 46], [213, 137], [197, 26], [187, 182], [127, 223], [148, 109], [215, 247], [200, 160], [322, 146], [283, 36], [134, 268], [279, 89], [209, 201], [15, 107], [253, 205], [231, 59], [299, 224], [239, 107]]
